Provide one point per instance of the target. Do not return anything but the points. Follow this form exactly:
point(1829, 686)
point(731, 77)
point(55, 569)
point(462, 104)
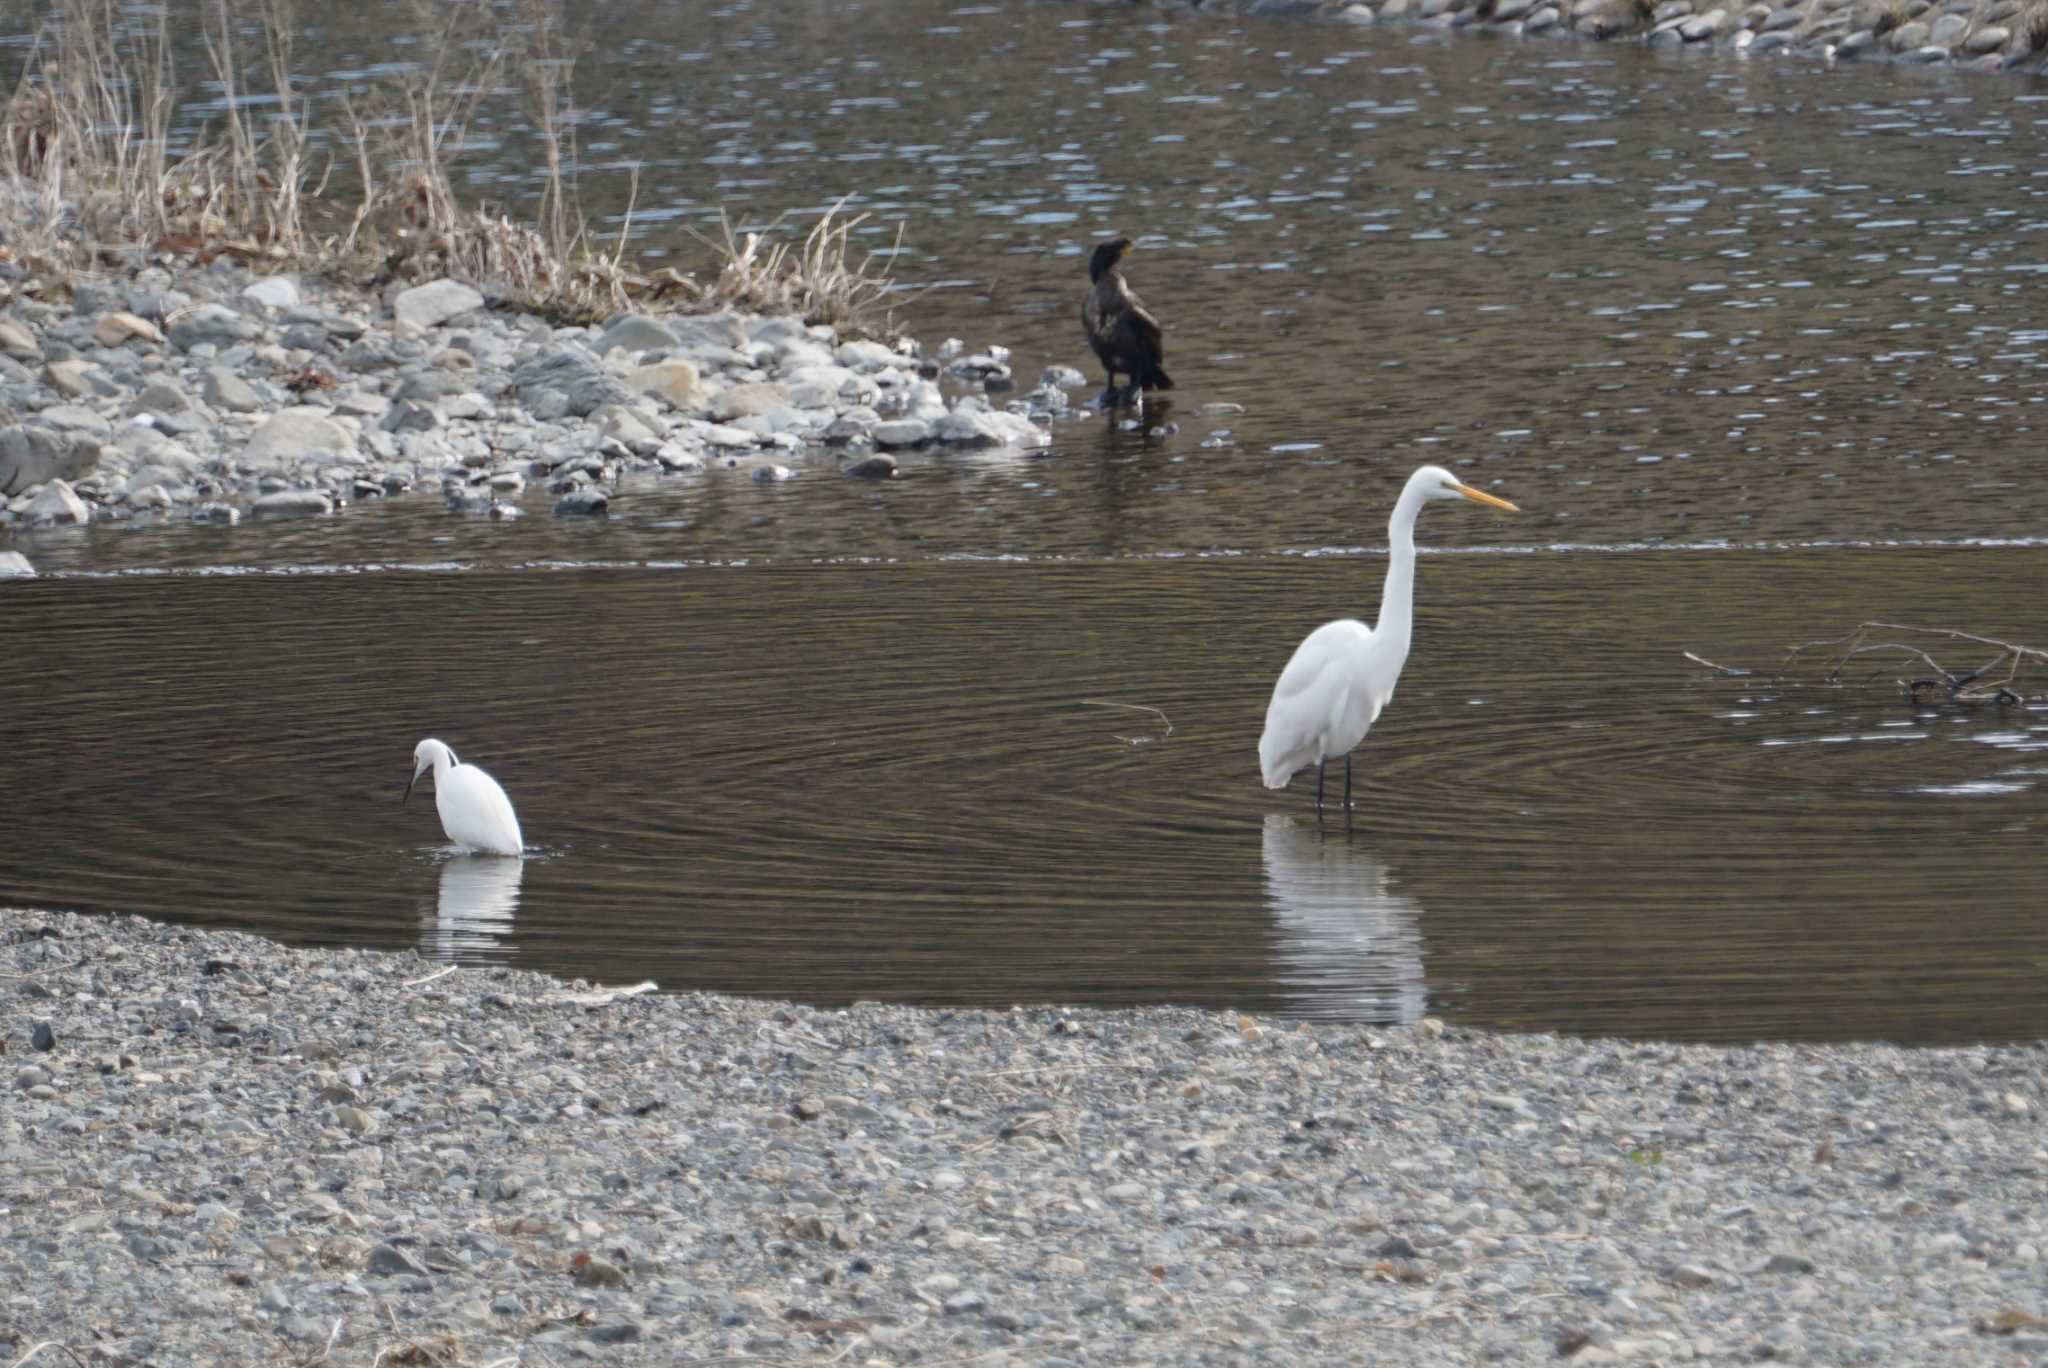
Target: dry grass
point(817, 281)
point(90, 177)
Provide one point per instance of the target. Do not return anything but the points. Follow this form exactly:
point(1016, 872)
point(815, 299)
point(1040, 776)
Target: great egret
point(1123, 332)
point(1344, 672)
point(475, 812)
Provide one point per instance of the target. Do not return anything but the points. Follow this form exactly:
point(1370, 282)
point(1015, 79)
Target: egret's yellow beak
point(1481, 496)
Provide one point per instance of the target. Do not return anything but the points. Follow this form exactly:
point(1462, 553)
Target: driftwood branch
point(2001, 679)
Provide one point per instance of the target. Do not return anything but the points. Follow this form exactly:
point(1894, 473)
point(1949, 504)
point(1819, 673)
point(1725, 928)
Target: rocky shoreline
point(214, 395)
point(1991, 35)
point(216, 1149)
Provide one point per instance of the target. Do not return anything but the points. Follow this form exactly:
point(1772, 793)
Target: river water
point(1755, 344)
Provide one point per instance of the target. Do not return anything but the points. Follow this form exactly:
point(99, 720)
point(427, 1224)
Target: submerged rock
point(585, 502)
point(875, 467)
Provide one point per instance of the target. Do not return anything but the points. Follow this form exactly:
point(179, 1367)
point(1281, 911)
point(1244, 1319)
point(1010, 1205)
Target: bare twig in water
point(1999, 680)
point(48, 1344)
point(1723, 669)
point(1133, 707)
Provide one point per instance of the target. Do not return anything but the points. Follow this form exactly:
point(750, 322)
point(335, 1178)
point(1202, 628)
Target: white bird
point(1344, 672)
point(475, 812)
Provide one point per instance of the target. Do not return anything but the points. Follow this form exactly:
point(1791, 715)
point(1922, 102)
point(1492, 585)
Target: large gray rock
point(636, 333)
point(709, 332)
point(293, 436)
point(72, 418)
point(273, 292)
point(14, 565)
point(292, 503)
point(432, 304)
point(57, 506)
point(36, 455)
point(226, 390)
point(574, 374)
point(210, 324)
point(160, 398)
point(902, 432)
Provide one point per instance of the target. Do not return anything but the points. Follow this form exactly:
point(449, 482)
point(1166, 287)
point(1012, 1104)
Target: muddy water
point(1756, 345)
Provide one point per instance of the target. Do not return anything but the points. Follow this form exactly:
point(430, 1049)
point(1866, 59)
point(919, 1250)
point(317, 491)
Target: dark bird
point(1125, 336)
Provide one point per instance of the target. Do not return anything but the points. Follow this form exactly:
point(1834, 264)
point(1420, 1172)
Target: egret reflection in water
point(1348, 946)
point(479, 898)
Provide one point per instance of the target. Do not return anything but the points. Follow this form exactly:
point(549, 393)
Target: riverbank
point(1990, 35)
point(217, 1149)
point(214, 394)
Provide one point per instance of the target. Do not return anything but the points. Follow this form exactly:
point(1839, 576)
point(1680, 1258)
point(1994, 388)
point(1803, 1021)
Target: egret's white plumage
point(475, 812)
point(1344, 672)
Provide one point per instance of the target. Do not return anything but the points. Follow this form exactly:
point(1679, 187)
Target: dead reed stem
point(1999, 680)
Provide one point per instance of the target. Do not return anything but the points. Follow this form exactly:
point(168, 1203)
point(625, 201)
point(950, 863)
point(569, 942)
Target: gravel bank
point(208, 394)
point(1988, 35)
point(233, 1152)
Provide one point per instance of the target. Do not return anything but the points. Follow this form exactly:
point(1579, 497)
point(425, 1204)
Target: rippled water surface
point(1757, 345)
point(855, 782)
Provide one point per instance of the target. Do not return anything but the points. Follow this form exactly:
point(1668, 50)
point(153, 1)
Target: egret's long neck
point(1397, 599)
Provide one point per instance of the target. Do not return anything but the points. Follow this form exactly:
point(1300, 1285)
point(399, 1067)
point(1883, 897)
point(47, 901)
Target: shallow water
point(1755, 344)
point(853, 782)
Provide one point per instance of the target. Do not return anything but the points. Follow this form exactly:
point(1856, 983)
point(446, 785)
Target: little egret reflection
point(478, 901)
point(1344, 672)
point(475, 812)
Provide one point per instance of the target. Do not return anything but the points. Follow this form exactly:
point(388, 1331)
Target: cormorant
point(1125, 336)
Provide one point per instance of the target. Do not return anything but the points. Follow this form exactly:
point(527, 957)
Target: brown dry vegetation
point(92, 177)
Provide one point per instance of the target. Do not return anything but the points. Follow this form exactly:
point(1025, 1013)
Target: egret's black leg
point(1347, 782)
point(1106, 401)
point(1319, 788)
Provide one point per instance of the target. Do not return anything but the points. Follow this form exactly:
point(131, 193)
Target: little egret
point(475, 812)
point(1344, 672)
